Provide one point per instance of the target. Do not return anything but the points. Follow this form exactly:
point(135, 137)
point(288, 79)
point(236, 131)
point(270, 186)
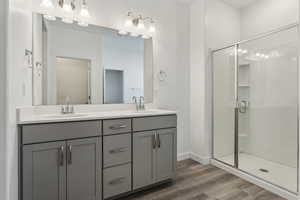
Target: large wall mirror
point(88, 65)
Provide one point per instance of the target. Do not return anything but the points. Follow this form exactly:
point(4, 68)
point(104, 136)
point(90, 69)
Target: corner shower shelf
point(244, 85)
point(244, 65)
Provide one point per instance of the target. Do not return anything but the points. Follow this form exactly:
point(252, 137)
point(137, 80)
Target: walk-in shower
point(255, 107)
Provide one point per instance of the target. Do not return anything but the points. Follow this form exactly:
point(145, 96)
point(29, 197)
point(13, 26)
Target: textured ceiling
point(239, 3)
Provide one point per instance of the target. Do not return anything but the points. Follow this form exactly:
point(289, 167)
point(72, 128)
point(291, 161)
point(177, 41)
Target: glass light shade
point(47, 4)
point(67, 7)
point(141, 25)
point(152, 28)
point(128, 22)
point(68, 13)
point(84, 12)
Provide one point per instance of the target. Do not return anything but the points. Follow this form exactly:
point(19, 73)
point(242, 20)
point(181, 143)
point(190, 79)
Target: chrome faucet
point(142, 103)
point(67, 108)
point(139, 104)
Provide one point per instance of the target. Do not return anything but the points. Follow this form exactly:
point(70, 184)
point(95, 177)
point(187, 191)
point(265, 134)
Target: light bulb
point(152, 28)
point(68, 13)
point(141, 25)
point(67, 7)
point(128, 23)
point(47, 4)
point(84, 12)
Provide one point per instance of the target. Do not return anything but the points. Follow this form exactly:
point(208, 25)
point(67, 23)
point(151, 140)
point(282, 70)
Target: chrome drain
point(264, 170)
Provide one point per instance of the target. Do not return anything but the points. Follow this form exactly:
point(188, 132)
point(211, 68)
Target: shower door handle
point(242, 106)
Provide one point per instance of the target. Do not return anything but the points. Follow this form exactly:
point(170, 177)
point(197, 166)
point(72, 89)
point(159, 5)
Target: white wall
point(3, 27)
point(200, 135)
point(265, 15)
point(222, 24)
point(19, 84)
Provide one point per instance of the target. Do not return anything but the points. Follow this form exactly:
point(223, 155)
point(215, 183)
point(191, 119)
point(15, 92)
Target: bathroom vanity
point(96, 156)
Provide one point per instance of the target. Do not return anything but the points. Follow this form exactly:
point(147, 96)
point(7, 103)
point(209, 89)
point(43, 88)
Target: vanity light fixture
point(68, 10)
point(137, 25)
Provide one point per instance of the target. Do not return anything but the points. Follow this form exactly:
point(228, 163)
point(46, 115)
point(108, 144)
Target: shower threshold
point(275, 173)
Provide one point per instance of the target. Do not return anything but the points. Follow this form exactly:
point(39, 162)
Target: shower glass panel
point(268, 108)
point(224, 104)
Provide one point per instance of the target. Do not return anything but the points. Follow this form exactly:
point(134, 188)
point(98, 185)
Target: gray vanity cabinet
point(143, 159)
point(66, 169)
point(44, 170)
point(153, 157)
point(165, 154)
point(83, 169)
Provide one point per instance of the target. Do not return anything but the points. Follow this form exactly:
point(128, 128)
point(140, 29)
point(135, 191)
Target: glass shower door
point(268, 108)
point(224, 76)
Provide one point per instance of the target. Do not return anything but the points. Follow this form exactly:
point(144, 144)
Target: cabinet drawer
point(116, 180)
point(60, 131)
point(116, 126)
point(116, 149)
point(151, 123)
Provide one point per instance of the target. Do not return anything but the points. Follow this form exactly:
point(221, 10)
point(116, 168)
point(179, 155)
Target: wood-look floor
point(205, 182)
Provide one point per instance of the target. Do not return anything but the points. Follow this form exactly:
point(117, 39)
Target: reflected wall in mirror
point(89, 65)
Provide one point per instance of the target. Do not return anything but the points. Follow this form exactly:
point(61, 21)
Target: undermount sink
point(66, 116)
point(145, 111)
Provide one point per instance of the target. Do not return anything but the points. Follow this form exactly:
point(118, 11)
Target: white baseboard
point(200, 159)
point(193, 156)
point(183, 156)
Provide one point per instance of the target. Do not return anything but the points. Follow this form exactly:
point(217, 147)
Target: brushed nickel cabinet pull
point(61, 156)
point(118, 150)
point(118, 126)
point(70, 154)
point(117, 181)
point(154, 141)
point(158, 141)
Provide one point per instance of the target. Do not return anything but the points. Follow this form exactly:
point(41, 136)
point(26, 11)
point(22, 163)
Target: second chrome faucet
point(139, 103)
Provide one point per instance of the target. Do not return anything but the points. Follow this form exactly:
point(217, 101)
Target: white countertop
point(50, 118)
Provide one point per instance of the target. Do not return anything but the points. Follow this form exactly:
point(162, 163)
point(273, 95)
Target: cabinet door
point(165, 154)
point(44, 171)
point(143, 158)
point(84, 169)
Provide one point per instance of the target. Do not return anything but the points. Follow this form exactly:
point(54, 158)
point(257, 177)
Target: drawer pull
point(118, 150)
point(117, 181)
point(118, 126)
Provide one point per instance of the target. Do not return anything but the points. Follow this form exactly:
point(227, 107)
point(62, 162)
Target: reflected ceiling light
point(146, 37)
point(122, 32)
point(134, 34)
